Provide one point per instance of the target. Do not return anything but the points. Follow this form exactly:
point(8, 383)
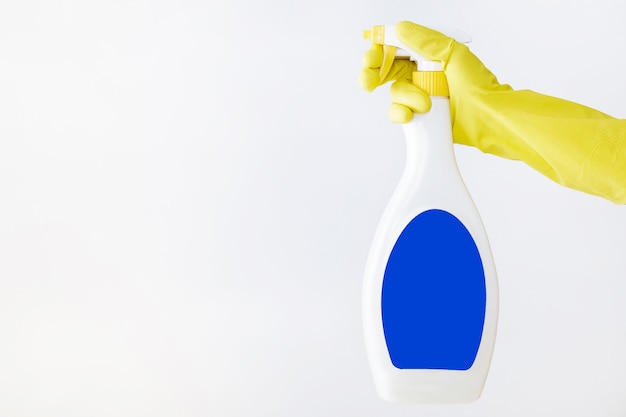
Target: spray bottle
point(430, 293)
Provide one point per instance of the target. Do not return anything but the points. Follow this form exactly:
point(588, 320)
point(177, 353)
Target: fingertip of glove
point(373, 58)
point(409, 28)
point(407, 25)
point(399, 113)
point(428, 42)
point(369, 79)
point(407, 94)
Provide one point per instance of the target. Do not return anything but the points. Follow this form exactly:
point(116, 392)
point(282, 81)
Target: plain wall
point(188, 191)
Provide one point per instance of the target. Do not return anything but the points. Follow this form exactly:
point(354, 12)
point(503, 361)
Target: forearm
point(574, 145)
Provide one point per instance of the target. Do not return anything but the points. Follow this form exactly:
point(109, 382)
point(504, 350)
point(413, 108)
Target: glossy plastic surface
point(430, 181)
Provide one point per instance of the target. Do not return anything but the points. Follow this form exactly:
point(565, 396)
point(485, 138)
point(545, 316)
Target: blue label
point(434, 295)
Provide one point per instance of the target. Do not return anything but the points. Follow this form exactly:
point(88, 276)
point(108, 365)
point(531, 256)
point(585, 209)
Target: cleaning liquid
point(430, 293)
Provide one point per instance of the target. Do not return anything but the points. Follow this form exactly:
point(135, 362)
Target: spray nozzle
point(377, 35)
point(429, 75)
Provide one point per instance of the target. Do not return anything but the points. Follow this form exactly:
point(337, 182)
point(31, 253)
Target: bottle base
point(440, 387)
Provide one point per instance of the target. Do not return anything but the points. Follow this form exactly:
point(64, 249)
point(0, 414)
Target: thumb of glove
point(461, 66)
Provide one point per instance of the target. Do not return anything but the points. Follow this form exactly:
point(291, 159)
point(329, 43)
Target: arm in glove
point(574, 145)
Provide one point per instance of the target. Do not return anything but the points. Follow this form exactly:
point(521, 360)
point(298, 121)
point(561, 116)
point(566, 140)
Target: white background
point(188, 191)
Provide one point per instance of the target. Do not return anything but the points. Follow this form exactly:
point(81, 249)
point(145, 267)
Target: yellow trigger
point(377, 35)
point(389, 54)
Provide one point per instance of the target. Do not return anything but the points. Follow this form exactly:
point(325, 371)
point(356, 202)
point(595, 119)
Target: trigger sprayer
point(430, 292)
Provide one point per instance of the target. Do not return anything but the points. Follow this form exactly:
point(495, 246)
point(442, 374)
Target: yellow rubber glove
point(572, 144)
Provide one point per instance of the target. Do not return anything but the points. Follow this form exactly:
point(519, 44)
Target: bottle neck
point(429, 150)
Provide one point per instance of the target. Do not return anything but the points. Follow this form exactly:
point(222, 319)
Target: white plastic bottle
point(430, 293)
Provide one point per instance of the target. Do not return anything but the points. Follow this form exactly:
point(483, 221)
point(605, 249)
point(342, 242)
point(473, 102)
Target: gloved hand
point(574, 145)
